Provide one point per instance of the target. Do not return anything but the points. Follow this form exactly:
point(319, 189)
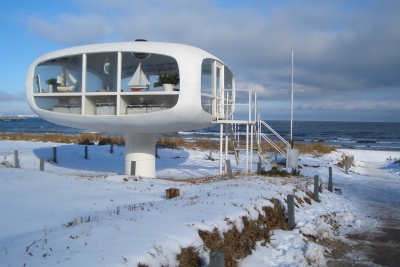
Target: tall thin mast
point(291, 112)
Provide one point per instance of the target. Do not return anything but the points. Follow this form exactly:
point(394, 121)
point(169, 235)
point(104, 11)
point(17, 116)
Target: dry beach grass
point(166, 141)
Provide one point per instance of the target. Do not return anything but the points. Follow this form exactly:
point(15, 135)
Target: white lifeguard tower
point(109, 88)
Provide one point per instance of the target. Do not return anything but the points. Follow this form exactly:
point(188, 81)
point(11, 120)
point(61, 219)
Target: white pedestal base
point(141, 148)
point(292, 158)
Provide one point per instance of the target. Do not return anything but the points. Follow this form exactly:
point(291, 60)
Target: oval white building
point(110, 88)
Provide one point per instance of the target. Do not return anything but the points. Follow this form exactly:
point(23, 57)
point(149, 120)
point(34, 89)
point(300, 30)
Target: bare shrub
point(83, 138)
point(190, 257)
point(307, 200)
point(314, 148)
point(237, 245)
point(105, 141)
point(299, 200)
point(168, 141)
point(206, 144)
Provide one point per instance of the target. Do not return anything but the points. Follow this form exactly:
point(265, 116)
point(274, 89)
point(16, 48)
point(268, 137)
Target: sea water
point(360, 135)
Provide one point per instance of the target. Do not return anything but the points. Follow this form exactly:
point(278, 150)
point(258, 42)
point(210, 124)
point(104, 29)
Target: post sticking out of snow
point(41, 164)
point(228, 168)
point(55, 154)
point(86, 152)
point(210, 155)
point(133, 167)
point(217, 259)
point(330, 183)
point(15, 158)
point(291, 215)
point(316, 188)
point(112, 148)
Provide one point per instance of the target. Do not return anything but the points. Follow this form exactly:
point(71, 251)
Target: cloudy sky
point(346, 53)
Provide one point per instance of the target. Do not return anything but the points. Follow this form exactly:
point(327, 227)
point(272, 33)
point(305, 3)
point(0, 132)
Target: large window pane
point(59, 75)
point(147, 73)
point(101, 72)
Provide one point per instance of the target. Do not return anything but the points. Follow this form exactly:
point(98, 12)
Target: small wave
point(344, 139)
point(366, 141)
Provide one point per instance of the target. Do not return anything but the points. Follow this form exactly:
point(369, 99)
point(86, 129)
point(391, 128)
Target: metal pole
point(15, 158)
point(226, 141)
point(228, 169)
point(86, 152)
point(42, 164)
point(330, 183)
point(133, 167)
point(291, 215)
point(247, 148)
point(249, 105)
point(55, 154)
point(112, 148)
point(316, 187)
point(221, 136)
point(291, 111)
point(217, 259)
point(255, 107)
point(251, 149)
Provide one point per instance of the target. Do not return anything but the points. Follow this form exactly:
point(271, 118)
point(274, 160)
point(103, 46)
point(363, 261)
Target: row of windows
point(100, 72)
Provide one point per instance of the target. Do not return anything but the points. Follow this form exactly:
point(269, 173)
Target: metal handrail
point(274, 145)
point(274, 132)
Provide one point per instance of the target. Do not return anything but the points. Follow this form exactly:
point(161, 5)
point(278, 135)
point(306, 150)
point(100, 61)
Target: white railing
point(224, 105)
point(276, 134)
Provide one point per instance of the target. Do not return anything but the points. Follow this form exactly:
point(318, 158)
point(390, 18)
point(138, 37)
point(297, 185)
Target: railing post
point(255, 106)
point(249, 105)
point(247, 148)
point(221, 136)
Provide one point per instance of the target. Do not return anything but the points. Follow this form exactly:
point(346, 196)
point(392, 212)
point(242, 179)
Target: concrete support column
point(141, 149)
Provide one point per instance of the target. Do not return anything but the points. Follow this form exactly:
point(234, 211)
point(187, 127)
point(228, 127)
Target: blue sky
point(346, 52)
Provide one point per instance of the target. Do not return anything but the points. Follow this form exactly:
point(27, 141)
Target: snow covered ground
point(117, 220)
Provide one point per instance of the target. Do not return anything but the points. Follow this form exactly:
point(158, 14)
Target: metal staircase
point(247, 108)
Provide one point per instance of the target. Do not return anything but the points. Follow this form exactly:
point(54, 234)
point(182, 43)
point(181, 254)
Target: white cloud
point(71, 29)
point(346, 52)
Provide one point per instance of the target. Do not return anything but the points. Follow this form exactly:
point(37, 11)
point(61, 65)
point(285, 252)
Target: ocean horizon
point(360, 135)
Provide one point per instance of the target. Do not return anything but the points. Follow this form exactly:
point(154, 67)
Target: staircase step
point(243, 148)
